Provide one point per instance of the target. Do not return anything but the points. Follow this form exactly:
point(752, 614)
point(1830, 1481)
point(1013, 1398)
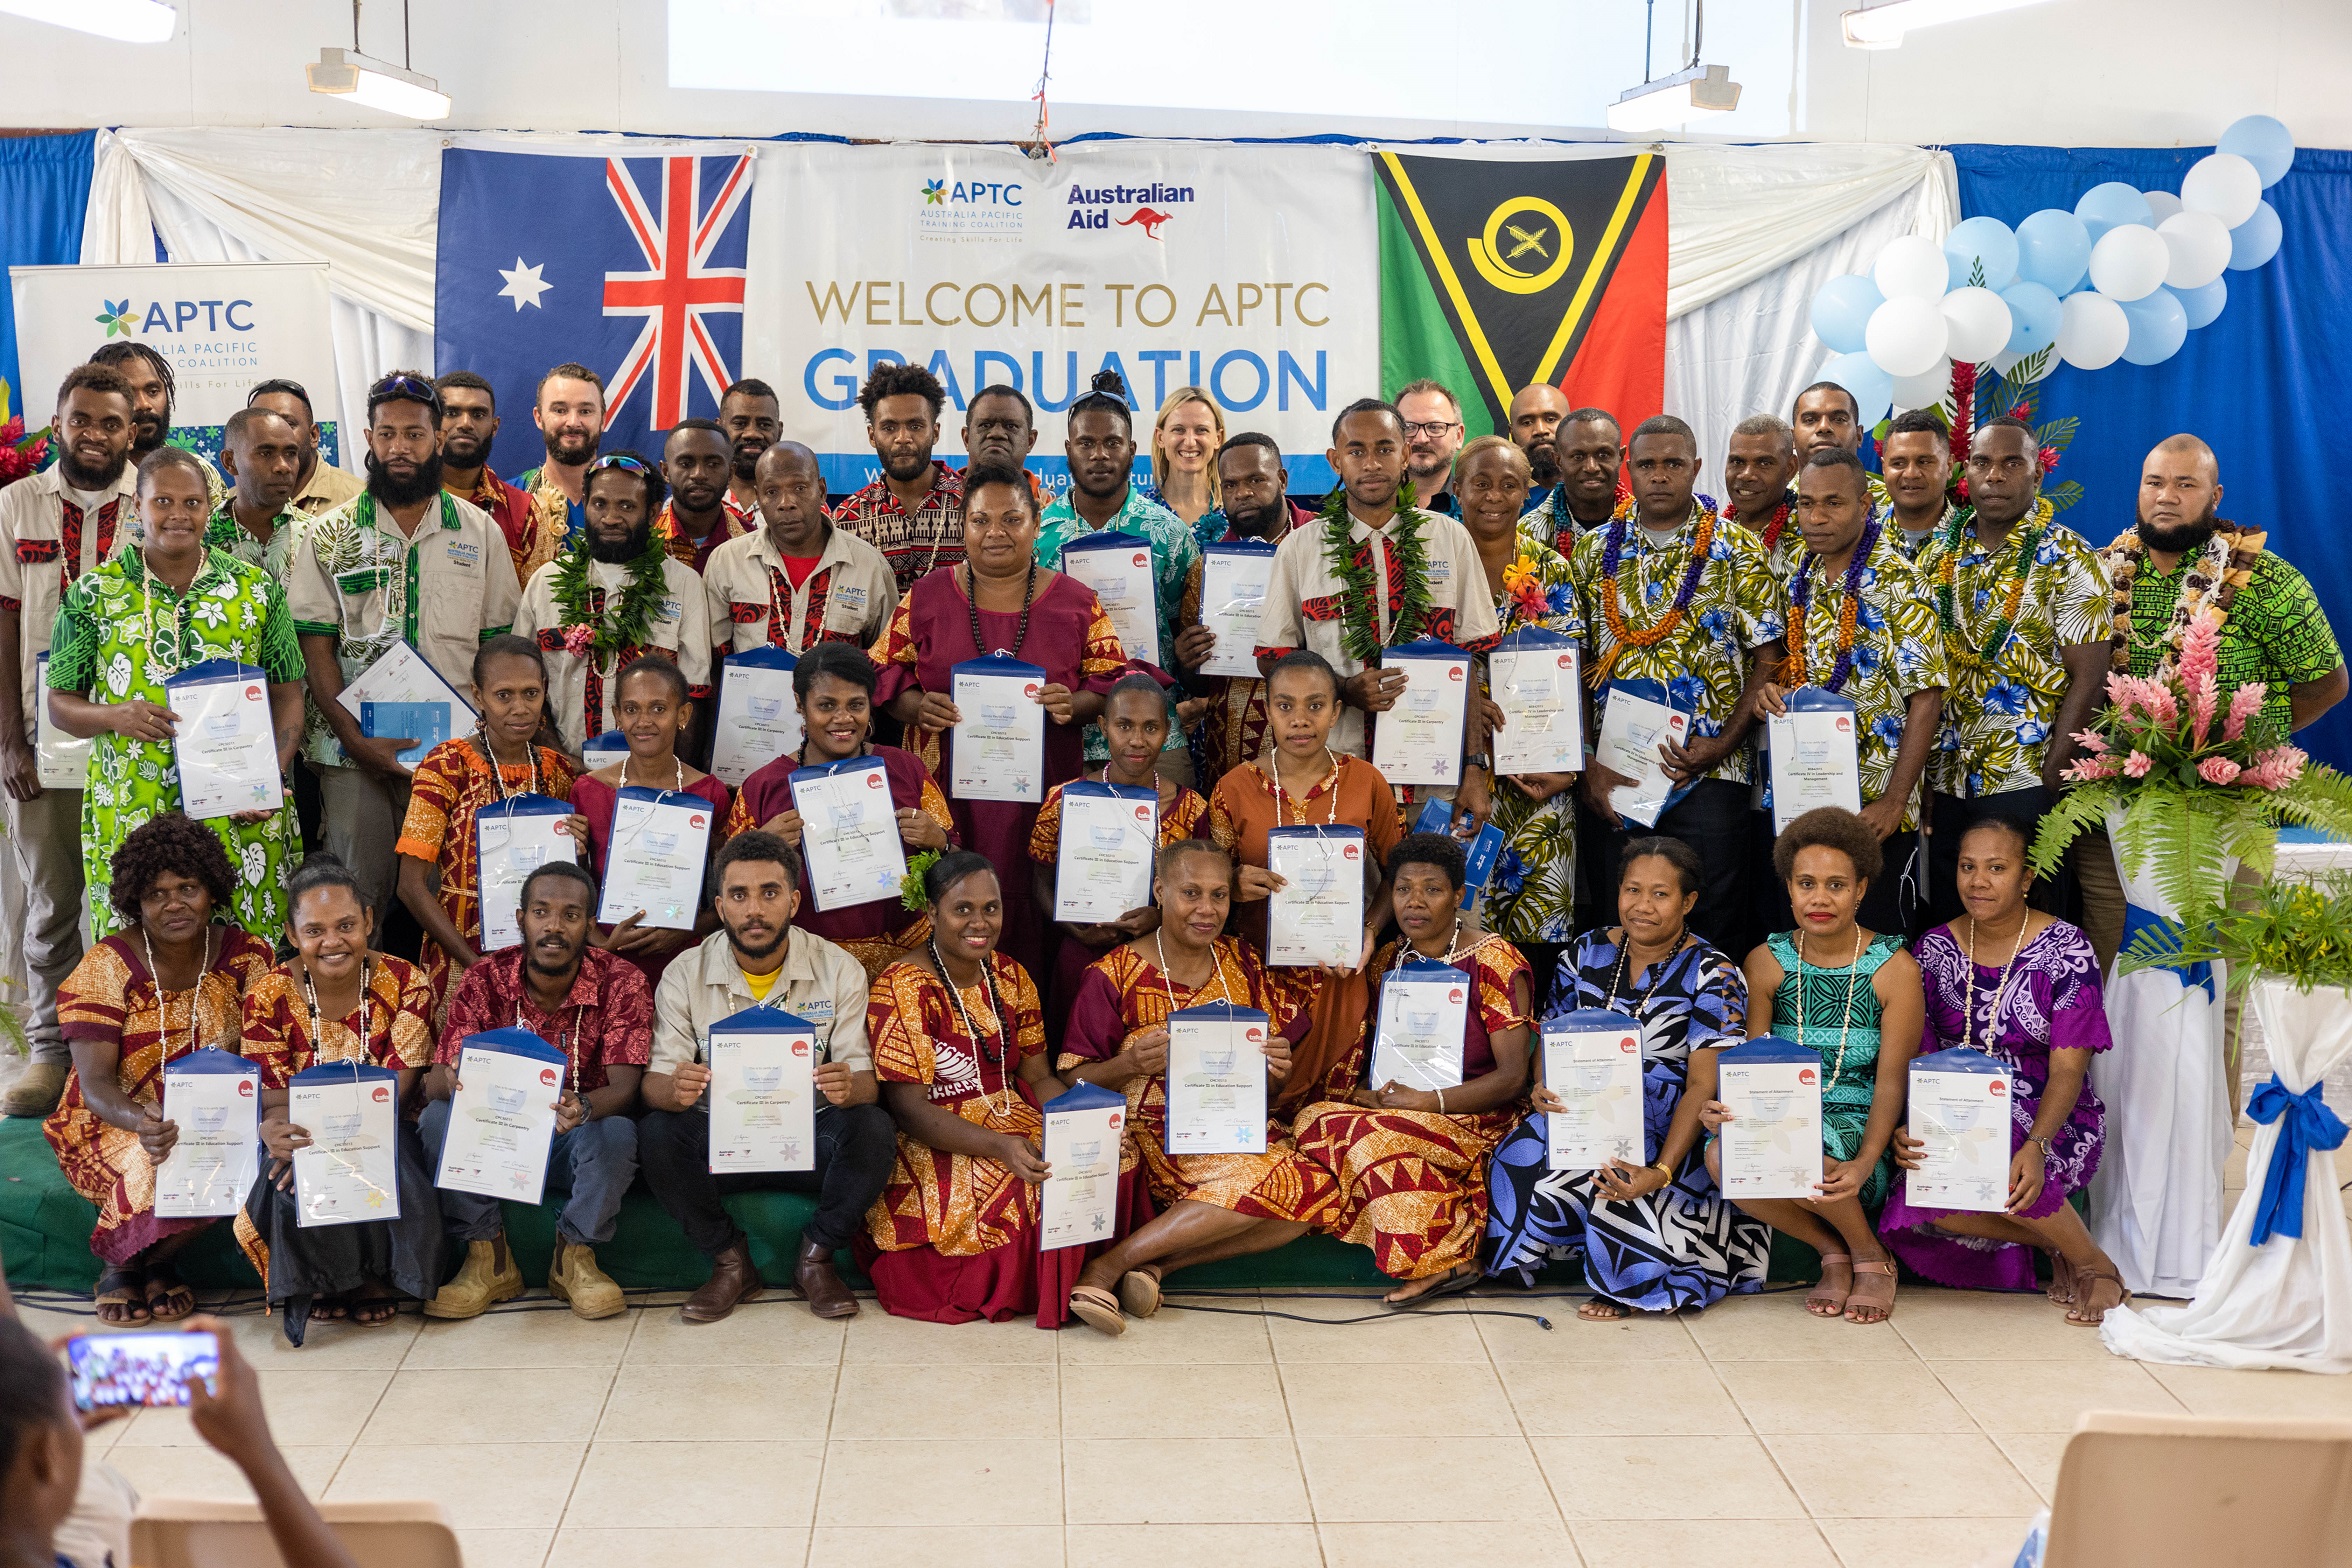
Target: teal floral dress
point(1532, 894)
point(119, 635)
point(1847, 1042)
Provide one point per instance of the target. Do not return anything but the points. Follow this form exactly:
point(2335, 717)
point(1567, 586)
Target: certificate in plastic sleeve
point(502, 1120)
point(214, 1099)
point(1317, 916)
point(660, 843)
point(1424, 1013)
point(1419, 739)
point(350, 1173)
point(1814, 756)
point(1217, 1080)
point(1118, 567)
point(1960, 1112)
point(400, 674)
point(1772, 1146)
point(762, 1094)
point(425, 723)
point(1104, 865)
point(759, 720)
point(1233, 603)
point(1081, 1147)
point(64, 759)
point(1534, 677)
point(1634, 723)
point(513, 838)
point(602, 751)
point(226, 746)
point(1592, 1060)
point(1479, 852)
point(999, 748)
point(849, 832)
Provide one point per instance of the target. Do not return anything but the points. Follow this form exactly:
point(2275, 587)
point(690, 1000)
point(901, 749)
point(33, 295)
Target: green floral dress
point(1532, 894)
point(102, 650)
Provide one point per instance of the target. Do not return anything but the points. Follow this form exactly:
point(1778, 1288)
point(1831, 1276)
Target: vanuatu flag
point(1495, 275)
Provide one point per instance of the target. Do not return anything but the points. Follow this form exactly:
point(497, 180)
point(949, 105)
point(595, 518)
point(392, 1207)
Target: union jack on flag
point(634, 267)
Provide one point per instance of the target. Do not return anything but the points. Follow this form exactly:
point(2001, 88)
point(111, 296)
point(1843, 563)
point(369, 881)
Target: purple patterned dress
point(2053, 1003)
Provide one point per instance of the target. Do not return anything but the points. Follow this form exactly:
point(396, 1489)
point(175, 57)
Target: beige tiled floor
point(1748, 1433)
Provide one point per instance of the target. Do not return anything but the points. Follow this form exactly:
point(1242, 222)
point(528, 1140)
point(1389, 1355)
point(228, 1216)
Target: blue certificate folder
point(1482, 851)
point(427, 721)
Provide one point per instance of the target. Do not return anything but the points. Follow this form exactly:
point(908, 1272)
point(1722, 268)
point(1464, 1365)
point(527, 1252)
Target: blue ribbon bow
point(2305, 1124)
point(2168, 939)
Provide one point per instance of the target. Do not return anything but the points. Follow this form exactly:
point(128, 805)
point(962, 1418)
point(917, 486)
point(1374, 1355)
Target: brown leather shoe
point(814, 1280)
point(733, 1281)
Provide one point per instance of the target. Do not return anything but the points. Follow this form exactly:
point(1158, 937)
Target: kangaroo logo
point(1150, 217)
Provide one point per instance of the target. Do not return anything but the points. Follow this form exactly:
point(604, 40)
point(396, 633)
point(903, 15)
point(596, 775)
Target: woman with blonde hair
point(1185, 439)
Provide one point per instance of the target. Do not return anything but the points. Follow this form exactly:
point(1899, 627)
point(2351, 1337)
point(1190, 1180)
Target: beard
point(540, 965)
point(573, 450)
point(393, 490)
point(745, 466)
point(744, 947)
point(620, 553)
point(1543, 462)
point(147, 432)
point(455, 455)
point(81, 478)
point(1256, 525)
point(908, 467)
point(2182, 537)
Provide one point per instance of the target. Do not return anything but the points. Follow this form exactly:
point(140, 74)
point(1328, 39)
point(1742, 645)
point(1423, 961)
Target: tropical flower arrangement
point(20, 454)
point(2299, 932)
point(1524, 587)
point(2199, 785)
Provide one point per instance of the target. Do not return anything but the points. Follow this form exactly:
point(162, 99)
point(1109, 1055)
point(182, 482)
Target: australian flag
point(633, 267)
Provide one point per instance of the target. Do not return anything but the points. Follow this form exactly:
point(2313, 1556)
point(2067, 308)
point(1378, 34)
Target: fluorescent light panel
point(1883, 26)
point(1679, 99)
point(378, 84)
point(129, 21)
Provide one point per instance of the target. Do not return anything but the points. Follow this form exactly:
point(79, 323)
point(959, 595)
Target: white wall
point(2070, 72)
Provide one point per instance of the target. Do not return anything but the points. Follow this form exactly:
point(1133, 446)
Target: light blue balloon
point(2034, 314)
point(2204, 305)
point(1841, 311)
point(1872, 387)
point(1982, 242)
point(2159, 326)
point(2111, 206)
point(2262, 142)
point(2054, 250)
point(2256, 240)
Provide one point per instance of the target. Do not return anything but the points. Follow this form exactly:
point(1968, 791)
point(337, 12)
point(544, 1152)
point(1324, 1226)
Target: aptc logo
point(116, 318)
point(934, 192)
point(959, 209)
point(123, 318)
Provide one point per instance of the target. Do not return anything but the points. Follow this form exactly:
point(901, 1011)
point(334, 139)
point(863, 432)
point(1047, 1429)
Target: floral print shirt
point(1531, 896)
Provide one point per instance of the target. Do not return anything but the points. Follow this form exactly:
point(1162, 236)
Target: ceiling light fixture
point(1883, 26)
point(379, 84)
point(1693, 93)
point(128, 21)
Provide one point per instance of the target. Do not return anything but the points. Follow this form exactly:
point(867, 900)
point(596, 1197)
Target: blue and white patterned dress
point(1682, 1246)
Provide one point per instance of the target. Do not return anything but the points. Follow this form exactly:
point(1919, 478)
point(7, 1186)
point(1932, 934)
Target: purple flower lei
point(1801, 591)
point(1613, 555)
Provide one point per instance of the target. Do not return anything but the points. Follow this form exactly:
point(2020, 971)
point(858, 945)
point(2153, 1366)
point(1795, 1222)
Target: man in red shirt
point(469, 425)
point(914, 513)
point(696, 460)
point(752, 419)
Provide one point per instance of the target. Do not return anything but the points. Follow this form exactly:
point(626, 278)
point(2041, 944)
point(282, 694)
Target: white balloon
point(2129, 262)
point(1980, 325)
point(1913, 267)
point(2223, 184)
point(1927, 389)
point(2092, 330)
point(2200, 247)
point(1907, 336)
point(2162, 205)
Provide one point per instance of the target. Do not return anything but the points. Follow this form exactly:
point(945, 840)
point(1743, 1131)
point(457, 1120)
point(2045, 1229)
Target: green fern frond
point(2059, 433)
point(2063, 496)
point(2080, 809)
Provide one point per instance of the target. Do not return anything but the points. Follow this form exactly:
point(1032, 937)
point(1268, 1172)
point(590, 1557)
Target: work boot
point(814, 1280)
point(574, 1277)
point(480, 1285)
point(733, 1281)
point(35, 1091)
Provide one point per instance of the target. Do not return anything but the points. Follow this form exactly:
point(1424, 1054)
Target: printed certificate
point(1960, 1109)
point(1109, 837)
point(1814, 757)
point(660, 845)
point(503, 1118)
point(999, 748)
point(1592, 1061)
point(513, 838)
point(1632, 729)
point(226, 747)
point(759, 720)
point(762, 1094)
point(1233, 602)
point(350, 1172)
point(1419, 740)
point(64, 759)
point(1081, 1146)
point(849, 833)
point(1118, 567)
point(1217, 1080)
point(1772, 1146)
point(1317, 916)
point(214, 1099)
point(1534, 679)
point(1424, 1012)
point(401, 675)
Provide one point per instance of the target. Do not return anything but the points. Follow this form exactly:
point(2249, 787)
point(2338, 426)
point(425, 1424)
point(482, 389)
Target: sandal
point(124, 1291)
point(1602, 1310)
point(1139, 1291)
point(329, 1309)
point(2061, 1281)
point(1097, 1309)
point(1826, 1300)
point(168, 1298)
point(1461, 1279)
point(2087, 1281)
point(374, 1311)
point(1868, 1304)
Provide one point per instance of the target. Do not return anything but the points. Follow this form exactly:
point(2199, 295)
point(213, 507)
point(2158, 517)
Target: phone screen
point(139, 1369)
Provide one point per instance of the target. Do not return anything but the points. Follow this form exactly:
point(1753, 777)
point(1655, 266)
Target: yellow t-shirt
point(761, 985)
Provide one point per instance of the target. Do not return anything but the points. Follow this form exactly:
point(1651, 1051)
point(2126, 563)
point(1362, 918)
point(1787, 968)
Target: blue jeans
point(593, 1163)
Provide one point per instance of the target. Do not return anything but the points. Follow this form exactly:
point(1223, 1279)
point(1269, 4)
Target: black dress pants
point(855, 1147)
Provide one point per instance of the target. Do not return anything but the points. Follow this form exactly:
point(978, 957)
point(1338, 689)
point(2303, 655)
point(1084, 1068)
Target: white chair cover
point(2288, 1302)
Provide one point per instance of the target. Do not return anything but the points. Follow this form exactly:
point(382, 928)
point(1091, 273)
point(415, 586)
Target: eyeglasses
point(406, 389)
point(1433, 427)
point(620, 460)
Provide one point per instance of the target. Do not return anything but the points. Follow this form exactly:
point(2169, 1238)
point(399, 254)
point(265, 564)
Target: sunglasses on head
point(617, 460)
point(407, 389)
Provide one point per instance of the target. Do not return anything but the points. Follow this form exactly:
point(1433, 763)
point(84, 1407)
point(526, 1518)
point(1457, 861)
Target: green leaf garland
point(625, 623)
point(1359, 614)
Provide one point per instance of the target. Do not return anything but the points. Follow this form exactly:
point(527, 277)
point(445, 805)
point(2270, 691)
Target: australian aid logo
point(1143, 208)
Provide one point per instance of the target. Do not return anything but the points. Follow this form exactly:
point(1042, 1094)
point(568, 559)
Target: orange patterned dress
point(1413, 1183)
point(1124, 992)
point(453, 783)
point(1180, 818)
point(111, 998)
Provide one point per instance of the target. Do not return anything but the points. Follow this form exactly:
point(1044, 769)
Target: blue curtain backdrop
point(44, 189)
point(2257, 384)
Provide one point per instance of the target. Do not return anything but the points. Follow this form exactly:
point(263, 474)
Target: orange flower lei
point(1792, 670)
point(1623, 636)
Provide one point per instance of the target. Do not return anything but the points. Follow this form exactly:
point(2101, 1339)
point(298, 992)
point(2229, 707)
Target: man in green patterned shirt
point(261, 452)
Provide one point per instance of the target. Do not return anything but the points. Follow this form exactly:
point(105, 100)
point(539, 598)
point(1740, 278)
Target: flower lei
point(1793, 673)
point(2208, 591)
point(1623, 636)
point(1769, 536)
point(594, 629)
point(1359, 615)
point(2031, 531)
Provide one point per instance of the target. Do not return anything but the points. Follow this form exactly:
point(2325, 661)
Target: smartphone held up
point(153, 1368)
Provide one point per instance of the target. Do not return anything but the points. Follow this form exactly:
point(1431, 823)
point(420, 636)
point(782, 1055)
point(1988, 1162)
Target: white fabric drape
point(2287, 1303)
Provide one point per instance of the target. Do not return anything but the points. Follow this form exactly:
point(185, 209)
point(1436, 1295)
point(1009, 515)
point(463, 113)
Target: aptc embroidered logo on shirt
point(671, 610)
point(851, 598)
point(465, 553)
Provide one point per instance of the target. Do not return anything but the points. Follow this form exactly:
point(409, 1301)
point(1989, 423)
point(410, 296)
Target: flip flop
point(125, 1290)
point(1859, 1303)
point(1452, 1285)
point(1139, 1291)
point(1097, 1309)
point(2085, 1280)
point(165, 1295)
point(373, 1311)
point(1822, 1296)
